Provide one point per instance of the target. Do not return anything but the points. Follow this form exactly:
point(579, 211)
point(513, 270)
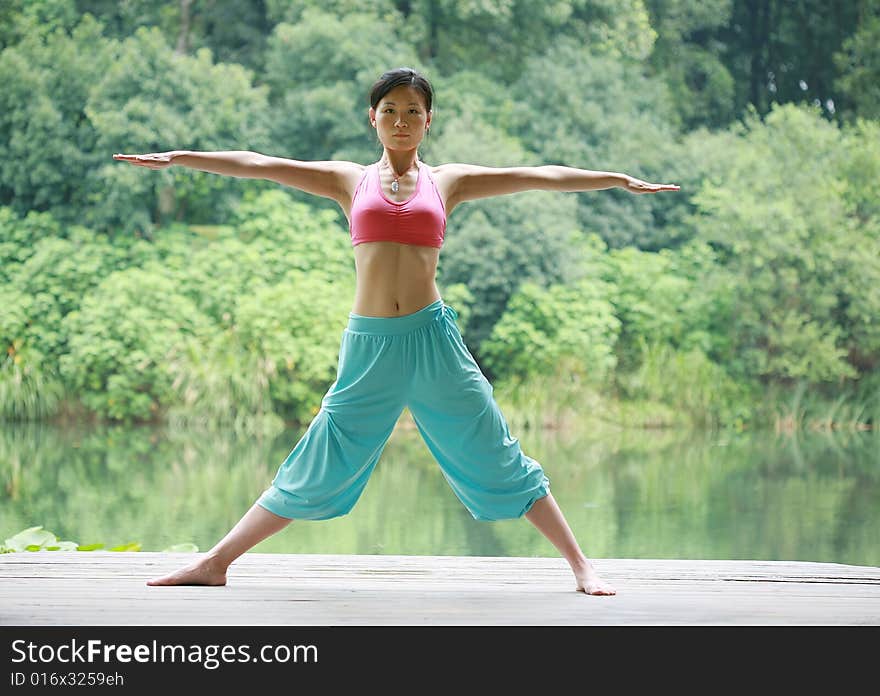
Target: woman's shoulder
point(453, 170)
point(346, 167)
point(440, 168)
point(350, 174)
point(446, 174)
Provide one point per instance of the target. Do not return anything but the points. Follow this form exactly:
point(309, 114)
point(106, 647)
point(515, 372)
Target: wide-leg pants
point(418, 361)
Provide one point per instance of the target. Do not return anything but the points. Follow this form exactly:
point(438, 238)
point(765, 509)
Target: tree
point(598, 112)
point(320, 71)
point(498, 36)
point(22, 18)
point(153, 99)
point(690, 57)
point(120, 340)
point(494, 245)
point(782, 51)
point(272, 283)
point(48, 145)
point(858, 63)
point(234, 31)
point(70, 100)
point(802, 264)
point(661, 298)
point(543, 330)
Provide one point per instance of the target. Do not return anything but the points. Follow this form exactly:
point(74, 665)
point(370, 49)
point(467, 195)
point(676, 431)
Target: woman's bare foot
point(589, 582)
point(205, 571)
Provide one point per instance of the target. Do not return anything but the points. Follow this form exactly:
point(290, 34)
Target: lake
point(630, 494)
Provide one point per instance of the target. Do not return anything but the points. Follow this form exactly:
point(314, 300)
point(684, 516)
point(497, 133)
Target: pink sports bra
point(420, 219)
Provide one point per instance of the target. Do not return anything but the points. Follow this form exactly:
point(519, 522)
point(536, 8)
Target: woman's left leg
point(453, 405)
point(549, 520)
point(210, 569)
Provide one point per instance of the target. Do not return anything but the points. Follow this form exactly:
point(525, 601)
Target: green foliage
point(39, 539)
point(153, 99)
point(500, 243)
point(120, 339)
point(472, 123)
point(660, 298)
point(713, 58)
point(866, 398)
point(563, 327)
point(72, 99)
point(500, 36)
point(22, 18)
point(48, 148)
point(690, 384)
point(281, 286)
point(47, 274)
point(591, 111)
point(234, 30)
point(803, 268)
point(230, 331)
point(460, 298)
point(858, 63)
point(220, 384)
point(493, 245)
point(288, 234)
point(691, 61)
point(53, 281)
point(120, 290)
point(860, 168)
point(320, 70)
point(268, 235)
point(295, 326)
point(781, 52)
point(20, 235)
point(26, 391)
point(49, 281)
point(36, 539)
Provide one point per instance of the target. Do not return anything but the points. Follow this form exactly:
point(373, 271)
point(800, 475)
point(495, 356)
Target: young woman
point(402, 347)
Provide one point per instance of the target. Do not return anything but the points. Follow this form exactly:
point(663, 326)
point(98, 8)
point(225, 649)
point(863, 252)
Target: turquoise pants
point(418, 361)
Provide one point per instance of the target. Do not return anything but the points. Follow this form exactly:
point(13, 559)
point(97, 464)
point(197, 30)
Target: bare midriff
point(394, 279)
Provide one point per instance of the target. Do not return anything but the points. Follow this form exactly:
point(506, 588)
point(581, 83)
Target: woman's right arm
point(328, 179)
point(239, 163)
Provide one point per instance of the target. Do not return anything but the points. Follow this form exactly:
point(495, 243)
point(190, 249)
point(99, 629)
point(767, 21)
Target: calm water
point(811, 497)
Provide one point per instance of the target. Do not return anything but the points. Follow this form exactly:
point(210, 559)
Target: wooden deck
point(107, 589)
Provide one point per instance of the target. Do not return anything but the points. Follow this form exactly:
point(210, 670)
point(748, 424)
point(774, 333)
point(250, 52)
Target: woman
point(402, 347)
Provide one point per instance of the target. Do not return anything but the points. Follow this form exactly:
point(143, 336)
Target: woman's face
point(400, 118)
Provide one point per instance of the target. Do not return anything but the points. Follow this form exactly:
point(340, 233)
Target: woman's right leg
point(256, 525)
point(328, 468)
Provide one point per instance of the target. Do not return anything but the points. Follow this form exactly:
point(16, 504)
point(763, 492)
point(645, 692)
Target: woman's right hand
point(154, 160)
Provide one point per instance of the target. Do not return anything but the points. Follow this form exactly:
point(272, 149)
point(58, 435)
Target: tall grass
point(222, 386)
point(683, 390)
point(563, 401)
point(801, 408)
point(689, 383)
point(26, 393)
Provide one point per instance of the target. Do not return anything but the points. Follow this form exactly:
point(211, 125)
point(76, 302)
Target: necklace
point(395, 185)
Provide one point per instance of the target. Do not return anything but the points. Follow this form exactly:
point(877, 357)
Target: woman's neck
point(400, 162)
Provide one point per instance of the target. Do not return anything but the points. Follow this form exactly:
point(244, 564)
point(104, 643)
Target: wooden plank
point(80, 588)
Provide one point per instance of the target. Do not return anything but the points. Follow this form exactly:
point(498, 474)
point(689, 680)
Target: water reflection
point(811, 497)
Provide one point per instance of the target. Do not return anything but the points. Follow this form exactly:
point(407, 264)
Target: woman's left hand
point(634, 185)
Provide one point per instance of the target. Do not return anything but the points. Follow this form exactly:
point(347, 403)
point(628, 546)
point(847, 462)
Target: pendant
point(395, 186)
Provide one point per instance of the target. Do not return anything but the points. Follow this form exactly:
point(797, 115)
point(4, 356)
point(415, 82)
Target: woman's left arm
point(471, 181)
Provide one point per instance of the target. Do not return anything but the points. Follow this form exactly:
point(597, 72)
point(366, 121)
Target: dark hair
point(401, 76)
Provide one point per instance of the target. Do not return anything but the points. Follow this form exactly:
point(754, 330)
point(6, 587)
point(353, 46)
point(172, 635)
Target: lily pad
point(181, 548)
